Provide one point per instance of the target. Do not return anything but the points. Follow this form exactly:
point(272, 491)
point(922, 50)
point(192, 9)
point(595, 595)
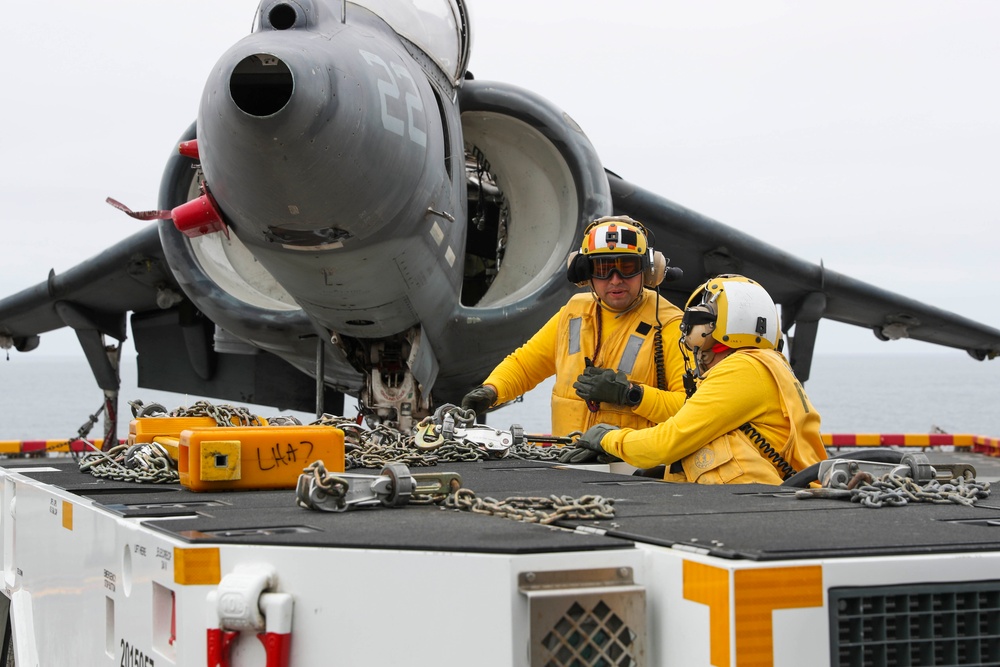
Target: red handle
point(219, 641)
point(277, 646)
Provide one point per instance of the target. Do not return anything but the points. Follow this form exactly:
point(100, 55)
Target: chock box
point(255, 457)
point(165, 431)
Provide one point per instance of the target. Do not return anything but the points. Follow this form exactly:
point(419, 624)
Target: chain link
point(81, 435)
point(533, 509)
point(142, 462)
point(894, 491)
point(224, 415)
point(528, 509)
point(149, 462)
point(374, 448)
point(364, 447)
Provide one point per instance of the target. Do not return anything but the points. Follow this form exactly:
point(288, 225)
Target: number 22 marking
point(389, 88)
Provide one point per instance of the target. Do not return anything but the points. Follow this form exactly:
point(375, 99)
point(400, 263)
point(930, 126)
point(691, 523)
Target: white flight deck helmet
point(731, 310)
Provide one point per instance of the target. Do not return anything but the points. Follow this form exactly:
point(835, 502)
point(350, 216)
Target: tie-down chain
point(913, 479)
point(452, 424)
point(448, 436)
point(395, 486)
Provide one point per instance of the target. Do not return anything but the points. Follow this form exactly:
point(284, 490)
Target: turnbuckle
point(393, 487)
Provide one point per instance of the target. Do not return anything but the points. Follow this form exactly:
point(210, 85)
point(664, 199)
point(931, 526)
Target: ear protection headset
point(618, 235)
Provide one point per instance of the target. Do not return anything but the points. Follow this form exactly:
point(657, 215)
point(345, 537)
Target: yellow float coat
point(749, 385)
point(559, 349)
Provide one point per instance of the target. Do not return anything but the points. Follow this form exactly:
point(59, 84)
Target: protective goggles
point(627, 266)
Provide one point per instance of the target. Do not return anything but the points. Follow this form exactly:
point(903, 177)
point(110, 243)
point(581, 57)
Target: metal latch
point(244, 601)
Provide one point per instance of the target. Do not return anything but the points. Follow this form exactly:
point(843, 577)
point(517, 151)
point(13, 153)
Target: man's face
point(617, 293)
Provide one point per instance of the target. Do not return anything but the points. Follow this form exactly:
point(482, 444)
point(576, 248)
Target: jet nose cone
point(307, 142)
point(261, 85)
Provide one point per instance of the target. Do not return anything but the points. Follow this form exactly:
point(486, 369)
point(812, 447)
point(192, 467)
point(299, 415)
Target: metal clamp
point(495, 443)
point(393, 487)
point(241, 602)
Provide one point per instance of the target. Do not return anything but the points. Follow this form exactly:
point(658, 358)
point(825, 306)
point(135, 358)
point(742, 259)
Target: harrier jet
point(352, 213)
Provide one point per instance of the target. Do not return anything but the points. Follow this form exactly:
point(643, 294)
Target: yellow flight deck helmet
point(616, 243)
point(745, 314)
point(614, 234)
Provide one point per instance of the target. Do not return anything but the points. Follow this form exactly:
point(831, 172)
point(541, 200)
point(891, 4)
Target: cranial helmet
point(615, 242)
point(616, 235)
point(744, 313)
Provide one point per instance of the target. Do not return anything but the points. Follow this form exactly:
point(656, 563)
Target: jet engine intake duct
point(532, 158)
point(530, 162)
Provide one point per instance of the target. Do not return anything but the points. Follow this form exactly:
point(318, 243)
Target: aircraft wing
point(93, 298)
point(807, 292)
point(96, 294)
point(133, 276)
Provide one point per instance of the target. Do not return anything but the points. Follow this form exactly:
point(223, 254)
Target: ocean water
point(50, 397)
point(867, 393)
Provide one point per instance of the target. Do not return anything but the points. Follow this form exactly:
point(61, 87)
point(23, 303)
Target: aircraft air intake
point(282, 17)
point(261, 85)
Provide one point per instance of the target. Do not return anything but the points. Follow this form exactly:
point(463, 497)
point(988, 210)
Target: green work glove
point(588, 447)
point(479, 399)
point(603, 385)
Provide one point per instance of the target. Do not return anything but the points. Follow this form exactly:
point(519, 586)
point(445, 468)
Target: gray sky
point(863, 133)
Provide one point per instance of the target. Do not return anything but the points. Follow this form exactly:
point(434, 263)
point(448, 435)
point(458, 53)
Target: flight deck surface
point(754, 522)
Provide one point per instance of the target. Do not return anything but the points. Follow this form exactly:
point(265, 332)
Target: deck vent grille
point(939, 624)
point(590, 637)
point(585, 618)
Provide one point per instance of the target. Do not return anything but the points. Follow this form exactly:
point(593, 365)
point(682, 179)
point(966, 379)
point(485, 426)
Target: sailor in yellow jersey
point(749, 420)
point(606, 346)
